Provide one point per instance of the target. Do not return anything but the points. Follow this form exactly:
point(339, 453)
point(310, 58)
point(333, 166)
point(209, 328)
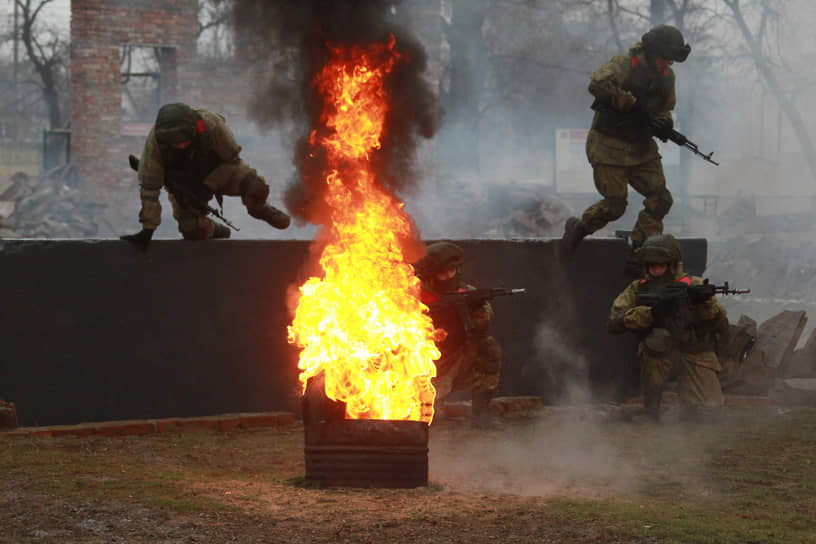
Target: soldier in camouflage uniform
point(469, 360)
point(634, 97)
point(676, 342)
point(193, 154)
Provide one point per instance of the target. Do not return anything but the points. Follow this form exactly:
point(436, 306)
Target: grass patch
point(748, 479)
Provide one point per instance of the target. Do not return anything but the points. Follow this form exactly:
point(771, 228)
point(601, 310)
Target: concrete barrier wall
point(96, 330)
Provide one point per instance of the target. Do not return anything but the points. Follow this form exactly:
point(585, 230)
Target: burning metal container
point(367, 453)
point(359, 322)
point(360, 452)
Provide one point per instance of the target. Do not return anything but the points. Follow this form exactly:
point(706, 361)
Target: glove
point(624, 101)
point(638, 318)
point(141, 239)
point(661, 126)
point(699, 294)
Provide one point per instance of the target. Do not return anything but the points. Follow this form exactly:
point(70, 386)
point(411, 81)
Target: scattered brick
point(80, 430)
point(124, 428)
point(503, 406)
point(222, 423)
point(265, 419)
point(167, 425)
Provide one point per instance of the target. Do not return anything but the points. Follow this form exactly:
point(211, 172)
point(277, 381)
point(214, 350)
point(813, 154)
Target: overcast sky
point(58, 11)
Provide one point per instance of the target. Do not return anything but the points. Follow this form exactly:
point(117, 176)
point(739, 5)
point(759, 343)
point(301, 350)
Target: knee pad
point(662, 204)
point(194, 227)
point(195, 234)
point(490, 355)
point(616, 207)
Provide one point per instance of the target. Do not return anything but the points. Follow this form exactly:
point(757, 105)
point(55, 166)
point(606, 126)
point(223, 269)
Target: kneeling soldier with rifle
point(193, 154)
point(471, 357)
point(678, 319)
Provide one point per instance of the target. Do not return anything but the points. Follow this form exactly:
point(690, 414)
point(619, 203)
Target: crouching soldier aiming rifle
point(678, 320)
point(471, 358)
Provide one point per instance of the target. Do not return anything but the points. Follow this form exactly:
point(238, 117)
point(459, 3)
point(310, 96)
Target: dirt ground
point(579, 474)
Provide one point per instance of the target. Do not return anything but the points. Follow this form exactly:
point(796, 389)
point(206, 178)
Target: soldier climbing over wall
point(634, 96)
point(193, 154)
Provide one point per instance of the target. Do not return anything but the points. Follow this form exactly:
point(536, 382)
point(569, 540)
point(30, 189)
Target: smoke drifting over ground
point(577, 452)
point(289, 43)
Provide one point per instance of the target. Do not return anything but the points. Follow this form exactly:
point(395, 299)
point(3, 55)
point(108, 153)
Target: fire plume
point(361, 324)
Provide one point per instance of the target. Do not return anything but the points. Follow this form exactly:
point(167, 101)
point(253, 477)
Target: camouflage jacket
point(151, 169)
point(626, 89)
point(710, 317)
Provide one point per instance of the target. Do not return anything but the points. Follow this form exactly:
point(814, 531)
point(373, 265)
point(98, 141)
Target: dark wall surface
point(96, 330)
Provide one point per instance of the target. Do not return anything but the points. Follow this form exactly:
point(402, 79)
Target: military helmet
point(441, 256)
point(659, 249)
point(666, 41)
point(176, 123)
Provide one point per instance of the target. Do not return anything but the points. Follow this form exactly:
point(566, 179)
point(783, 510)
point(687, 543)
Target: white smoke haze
point(574, 451)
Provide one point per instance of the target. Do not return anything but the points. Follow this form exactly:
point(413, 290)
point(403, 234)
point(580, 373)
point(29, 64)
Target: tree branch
point(611, 4)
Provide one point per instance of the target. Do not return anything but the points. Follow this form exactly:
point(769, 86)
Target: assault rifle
point(463, 302)
point(695, 294)
point(186, 197)
point(673, 301)
point(682, 141)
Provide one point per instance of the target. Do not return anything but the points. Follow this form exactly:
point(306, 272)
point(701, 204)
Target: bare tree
point(214, 39)
point(757, 42)
point(47, 53)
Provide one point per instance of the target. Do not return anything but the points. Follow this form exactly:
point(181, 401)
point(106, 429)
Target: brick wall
point(98, 30)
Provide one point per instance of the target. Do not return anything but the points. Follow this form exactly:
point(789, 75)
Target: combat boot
point(480, 409)
point(651, 405)
point(271, 215)
point(221, 231)
point(574, 232)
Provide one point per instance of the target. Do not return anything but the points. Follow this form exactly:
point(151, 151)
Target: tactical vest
point(184, 173)
point(651, 90)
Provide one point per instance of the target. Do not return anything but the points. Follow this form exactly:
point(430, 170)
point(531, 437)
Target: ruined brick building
point(130, 56)
point(100, 32)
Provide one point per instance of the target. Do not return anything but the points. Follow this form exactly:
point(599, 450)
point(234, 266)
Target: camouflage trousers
point(227, 179)
point(698, 385)
point(476, 366)
point(612, 183)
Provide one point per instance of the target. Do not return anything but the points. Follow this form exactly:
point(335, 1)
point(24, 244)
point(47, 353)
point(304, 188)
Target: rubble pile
point(770, 265)
point(8, 415)
point(50, 205)
point(525, 212)
point(763, 359)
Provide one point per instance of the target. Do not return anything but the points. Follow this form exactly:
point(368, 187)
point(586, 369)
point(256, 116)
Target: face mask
point(448, 285)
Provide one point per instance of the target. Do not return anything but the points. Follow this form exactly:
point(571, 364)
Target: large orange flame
point(362, 323)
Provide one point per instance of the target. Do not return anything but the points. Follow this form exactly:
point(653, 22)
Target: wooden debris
point(8, 415)
point(777, 337)
point(50, 206)
point(734, 348)
point(802, 363)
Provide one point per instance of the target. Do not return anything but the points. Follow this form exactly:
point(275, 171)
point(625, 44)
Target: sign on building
point(572, 173)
